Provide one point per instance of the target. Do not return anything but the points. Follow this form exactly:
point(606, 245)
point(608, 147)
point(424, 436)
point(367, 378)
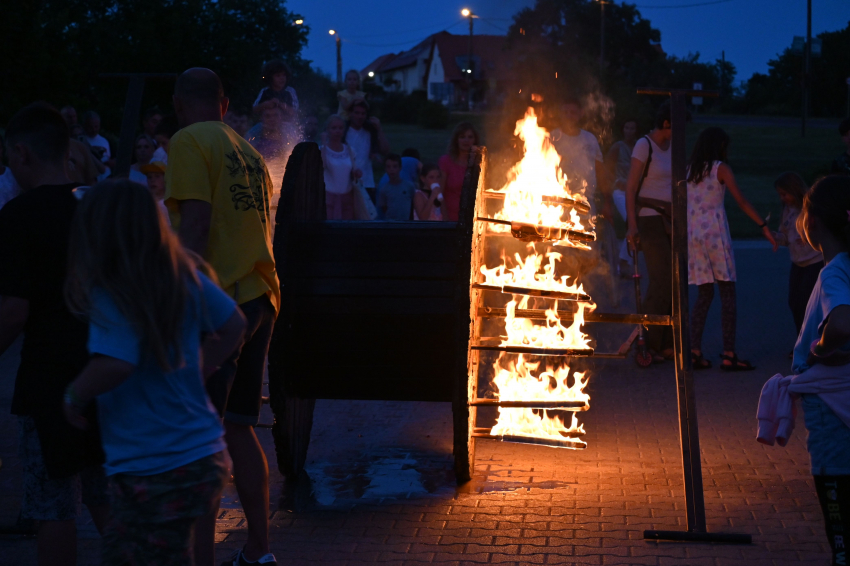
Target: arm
point(635, 173)
point(101, 374)
point(383, 144)
point(14, 313)
point(218, 346)
point(726, 177)
point(422, 205)
point(195, 219)
point(836, 333)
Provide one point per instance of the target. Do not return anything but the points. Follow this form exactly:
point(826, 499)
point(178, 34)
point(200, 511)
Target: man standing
point(219, 189)
point(581, 158)
point(98, 143)
point(61, 464)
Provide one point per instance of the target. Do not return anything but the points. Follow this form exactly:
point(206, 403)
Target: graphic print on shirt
point(253, 197)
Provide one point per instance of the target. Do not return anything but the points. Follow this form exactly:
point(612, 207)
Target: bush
point(433, 115)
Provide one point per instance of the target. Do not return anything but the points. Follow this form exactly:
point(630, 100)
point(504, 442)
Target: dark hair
point(393, 157)
point(359, 103)
point(42, 129)
point(844, 126)
point(355, 71)
point(665, 114)
point(711, 146)
point(150, 113)
point(273, 67)
point(460, 129)
point(427, 168)
point(626, 120)
point(793, 184)
point(829, 201)
point(411, 152)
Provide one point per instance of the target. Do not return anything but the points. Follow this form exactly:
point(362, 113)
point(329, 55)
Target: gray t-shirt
point(396, 198)
point(659, 178)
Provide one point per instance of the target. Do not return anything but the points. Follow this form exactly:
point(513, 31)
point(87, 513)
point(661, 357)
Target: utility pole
point(338, 59)
point(807, 55)
point(466, 12)
point(602, 35)
point(722, 74)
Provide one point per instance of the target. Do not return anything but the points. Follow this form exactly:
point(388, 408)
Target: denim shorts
point(236, 389)
point(829, 438)
point(46, 499)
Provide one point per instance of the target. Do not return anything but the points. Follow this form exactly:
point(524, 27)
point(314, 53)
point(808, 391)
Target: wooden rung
point(535, 233)
point(571, 352)
point(566, 201)
point(565, 405)
point(543, 293)
point(572, 443)
point(589, 316)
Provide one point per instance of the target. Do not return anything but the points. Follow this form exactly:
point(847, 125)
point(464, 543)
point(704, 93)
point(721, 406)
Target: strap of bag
point(645, 166)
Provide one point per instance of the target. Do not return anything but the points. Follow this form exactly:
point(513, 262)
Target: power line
point(685, 5)
point(396, 44)
point(396, 32)
point(492, 25)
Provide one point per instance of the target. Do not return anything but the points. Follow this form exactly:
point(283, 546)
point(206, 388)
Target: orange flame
point(552, 335)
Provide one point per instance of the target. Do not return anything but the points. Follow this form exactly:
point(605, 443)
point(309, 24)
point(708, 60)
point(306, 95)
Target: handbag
point(364, 208)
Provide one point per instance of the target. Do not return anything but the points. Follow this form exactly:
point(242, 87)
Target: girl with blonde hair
point(158, 328)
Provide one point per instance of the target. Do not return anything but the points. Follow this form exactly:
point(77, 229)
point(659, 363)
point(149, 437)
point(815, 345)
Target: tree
point(67, 44)
point(780, 90)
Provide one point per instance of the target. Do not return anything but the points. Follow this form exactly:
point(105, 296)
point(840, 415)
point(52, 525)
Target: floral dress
point(710, 256)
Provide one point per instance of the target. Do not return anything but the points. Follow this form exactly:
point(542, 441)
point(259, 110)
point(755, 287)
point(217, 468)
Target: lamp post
point(338, 58)
point(602, 35)
point(467, 13)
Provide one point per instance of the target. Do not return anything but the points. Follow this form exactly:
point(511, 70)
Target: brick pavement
point(383, 493)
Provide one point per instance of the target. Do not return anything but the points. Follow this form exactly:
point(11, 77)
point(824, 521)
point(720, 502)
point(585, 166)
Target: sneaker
point(238, 559)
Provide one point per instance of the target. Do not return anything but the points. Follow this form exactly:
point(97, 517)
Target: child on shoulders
point(351, 93)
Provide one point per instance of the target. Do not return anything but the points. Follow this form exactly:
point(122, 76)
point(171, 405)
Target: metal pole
point(722, 73)
point(132, 106)
point(469, 66)
point(602, 35)
point(806, 65)
point(338, 61)
point(694, 501)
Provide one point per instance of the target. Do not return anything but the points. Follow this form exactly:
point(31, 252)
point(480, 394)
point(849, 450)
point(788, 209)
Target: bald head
point(199, 97)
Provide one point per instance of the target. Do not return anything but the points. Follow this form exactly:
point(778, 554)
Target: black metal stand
point(688, 429)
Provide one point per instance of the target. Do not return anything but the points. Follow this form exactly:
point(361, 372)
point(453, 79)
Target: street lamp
point(467, 13)
point(338, 58)
point(371, 74)
point(299, 22)
point(602, 35)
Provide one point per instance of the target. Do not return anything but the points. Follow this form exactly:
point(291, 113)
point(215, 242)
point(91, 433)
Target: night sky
point(750, 31)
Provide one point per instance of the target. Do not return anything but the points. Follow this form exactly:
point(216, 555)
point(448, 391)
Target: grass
point(757, 155)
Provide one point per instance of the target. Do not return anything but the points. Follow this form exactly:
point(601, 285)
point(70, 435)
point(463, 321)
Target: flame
point(525, 422)
point(517, 382)
point(554, 335)
point(537, 175)
point(527, 273)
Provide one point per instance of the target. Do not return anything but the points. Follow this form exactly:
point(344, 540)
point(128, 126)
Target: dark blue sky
point(750, 31)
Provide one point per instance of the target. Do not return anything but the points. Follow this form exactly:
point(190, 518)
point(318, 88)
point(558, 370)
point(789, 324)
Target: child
point(427, 202)
point(157, 329)
point(339, 171)
point(155, 173)
point(351, 93)
point(821, 358)
point(806, 262)
point(710, 256)
point(395, 195)
point(276, 75)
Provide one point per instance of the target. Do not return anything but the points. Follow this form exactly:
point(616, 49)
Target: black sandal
point(735, 364)
point(699, 362)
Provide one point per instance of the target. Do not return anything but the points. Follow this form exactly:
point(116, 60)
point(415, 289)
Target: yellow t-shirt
point(210, 162)
point(348, 98)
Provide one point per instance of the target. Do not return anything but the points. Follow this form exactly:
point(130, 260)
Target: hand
point(375, 122)
point(608, 211)
point(769, 235)
point(633, 238)
point(357, 173)
point(73, 408)
point(834, 358)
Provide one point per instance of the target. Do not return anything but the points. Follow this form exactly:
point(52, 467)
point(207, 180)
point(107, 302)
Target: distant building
point(436, 65)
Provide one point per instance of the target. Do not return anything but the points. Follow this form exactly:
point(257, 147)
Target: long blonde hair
point(120, 243)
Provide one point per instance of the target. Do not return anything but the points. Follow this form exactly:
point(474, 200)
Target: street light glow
point(371, 73)
point(465, 12)
point(332, 32)
point(299, 22)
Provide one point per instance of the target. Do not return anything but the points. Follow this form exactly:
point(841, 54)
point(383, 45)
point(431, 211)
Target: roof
point(452, 50)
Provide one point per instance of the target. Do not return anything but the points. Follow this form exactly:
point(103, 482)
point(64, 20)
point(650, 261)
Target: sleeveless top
point(338, 170)
point(436, 211)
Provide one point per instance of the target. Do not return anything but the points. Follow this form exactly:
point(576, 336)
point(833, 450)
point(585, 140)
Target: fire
point(536, 176)
point(552, 335)
point(527, 273)
point(518, 382)
point(525, 422)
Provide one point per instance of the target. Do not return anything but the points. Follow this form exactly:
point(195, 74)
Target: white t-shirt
point(138, 177)
point(160, 155)
point(361, 143)
point(831, 290)
point(100, 141)
point(338, 170)
point(659, 179)
point(579, 155)
point(9, 188)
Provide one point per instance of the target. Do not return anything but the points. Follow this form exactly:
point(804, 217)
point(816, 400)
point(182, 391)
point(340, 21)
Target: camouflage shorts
point(153, 517)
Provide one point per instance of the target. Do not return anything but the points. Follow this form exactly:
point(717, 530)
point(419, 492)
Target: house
point(437, 65)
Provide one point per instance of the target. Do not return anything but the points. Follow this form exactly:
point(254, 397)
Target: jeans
point(829, 438)
point(655, 245)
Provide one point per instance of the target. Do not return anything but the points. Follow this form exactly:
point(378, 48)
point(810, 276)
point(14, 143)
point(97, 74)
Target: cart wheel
point(642, 357)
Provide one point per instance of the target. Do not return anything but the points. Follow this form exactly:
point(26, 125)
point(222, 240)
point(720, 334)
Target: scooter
point(643, 358)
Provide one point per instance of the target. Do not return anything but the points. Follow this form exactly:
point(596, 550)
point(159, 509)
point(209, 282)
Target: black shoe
point(238, 559)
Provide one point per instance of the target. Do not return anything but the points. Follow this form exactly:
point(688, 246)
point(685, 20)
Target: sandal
point(699, 362)
point(656, 357)
point(735, 364)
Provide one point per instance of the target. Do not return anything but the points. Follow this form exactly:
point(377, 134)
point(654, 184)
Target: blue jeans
point(829, 438)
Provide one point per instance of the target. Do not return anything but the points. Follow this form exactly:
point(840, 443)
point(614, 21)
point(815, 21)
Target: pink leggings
point(340, 206)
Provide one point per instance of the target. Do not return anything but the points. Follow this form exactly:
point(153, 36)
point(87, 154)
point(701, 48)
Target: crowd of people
point(147, 303)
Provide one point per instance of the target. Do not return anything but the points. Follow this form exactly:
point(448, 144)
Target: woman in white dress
point(338, 160)
point(710, 256)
